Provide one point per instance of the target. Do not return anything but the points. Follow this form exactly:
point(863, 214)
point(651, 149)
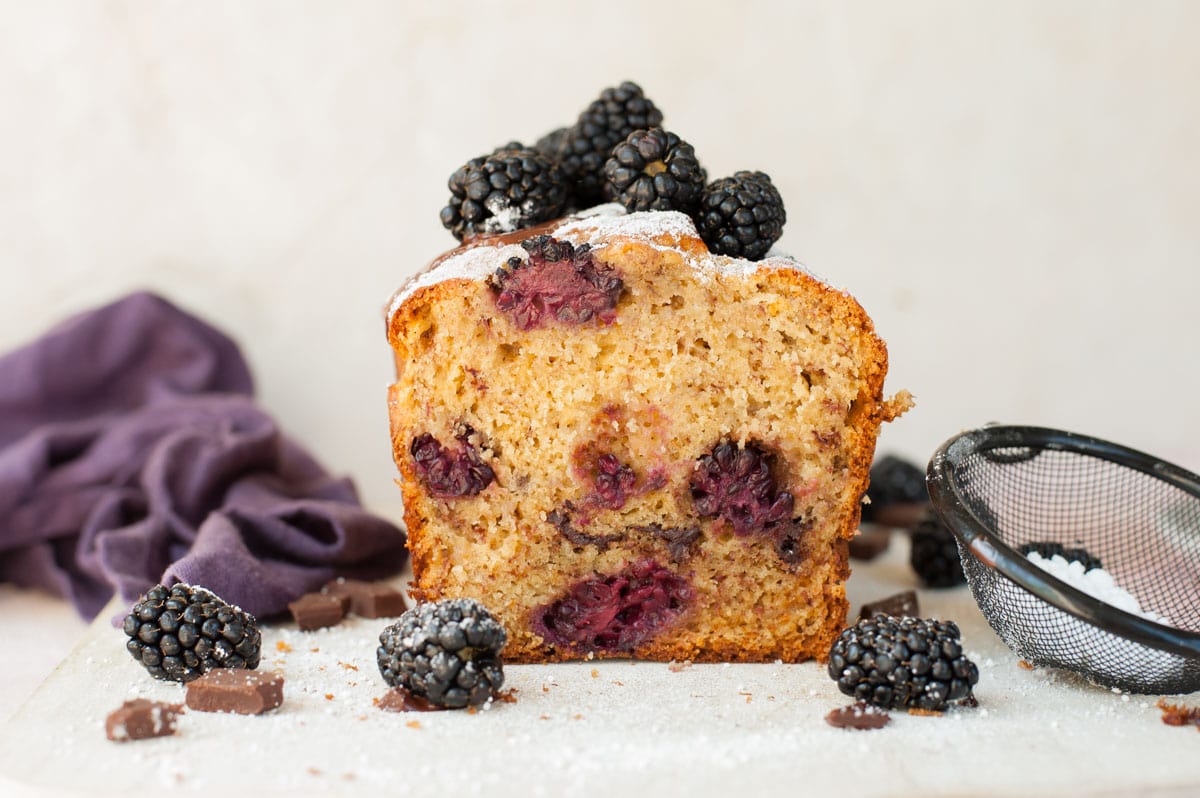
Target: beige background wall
point(1011, 189)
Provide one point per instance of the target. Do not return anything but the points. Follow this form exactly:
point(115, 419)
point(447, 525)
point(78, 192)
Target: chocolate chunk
point(561, 520)
point(679, 539)
point(400, 700)
point(858, 716)
point(318, 610)
point(901, 605)
point(139, 719)
point(870, 542)
point(368, 599)
point(903, 515)
point(236, 690)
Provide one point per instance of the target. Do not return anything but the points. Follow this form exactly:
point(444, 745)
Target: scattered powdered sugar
point(1097, 583)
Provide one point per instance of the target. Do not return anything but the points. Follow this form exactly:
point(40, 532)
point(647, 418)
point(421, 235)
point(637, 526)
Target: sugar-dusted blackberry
point(618, 111)
point(512, 188)
point(934, 553)
point(183, 632)
point(556, 281)
point(445, 651)
point(1048, 549)
point(894, 480)
point(654, 170)
point(736, 484)
point(894, 663)
point(741, 216)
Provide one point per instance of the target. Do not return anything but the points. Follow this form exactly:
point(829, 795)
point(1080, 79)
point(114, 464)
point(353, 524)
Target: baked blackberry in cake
point(626, 446)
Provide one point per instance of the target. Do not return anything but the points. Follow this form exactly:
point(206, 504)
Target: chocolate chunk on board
point(901, 515)
point(236, 690)
point(858, 716)
point(317, 610)
point(870, 542)
point(368, 599)
point(901, 605)
point(140, 719)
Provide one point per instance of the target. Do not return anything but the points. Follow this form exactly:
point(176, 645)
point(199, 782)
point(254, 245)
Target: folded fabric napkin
point(132, 453)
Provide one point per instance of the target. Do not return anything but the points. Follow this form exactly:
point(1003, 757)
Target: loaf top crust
point(598, 227)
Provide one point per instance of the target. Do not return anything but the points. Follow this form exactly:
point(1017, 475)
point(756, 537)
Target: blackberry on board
point(741, 216)
point(445, 651)
point(934, 553)
point(654, 170)
point(183, 632)
point(910, 663)
point(617, 112)
point(512, 188)
point(894, 480)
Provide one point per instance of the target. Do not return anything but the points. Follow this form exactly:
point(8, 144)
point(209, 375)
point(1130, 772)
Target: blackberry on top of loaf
point(621, 439)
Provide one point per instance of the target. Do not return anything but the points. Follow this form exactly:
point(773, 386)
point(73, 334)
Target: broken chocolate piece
point(400, 700)
point(140, 719)
point(236, 690)
point(870, 542)
point(317, 610)
point(679, 539)
point(858, 716)
point(368, 599)
point(901, 515)
point(901, 605)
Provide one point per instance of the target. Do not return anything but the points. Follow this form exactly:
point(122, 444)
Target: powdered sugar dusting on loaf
point(607, 221)
point(596, 227)
point(475, 263)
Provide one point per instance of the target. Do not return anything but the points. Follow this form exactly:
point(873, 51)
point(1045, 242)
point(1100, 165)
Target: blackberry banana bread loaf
point(625, 445)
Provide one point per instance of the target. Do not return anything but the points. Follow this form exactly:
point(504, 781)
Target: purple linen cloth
point(131, 453)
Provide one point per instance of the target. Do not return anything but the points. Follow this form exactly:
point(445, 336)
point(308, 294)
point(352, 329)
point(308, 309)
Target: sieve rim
point(983, 542)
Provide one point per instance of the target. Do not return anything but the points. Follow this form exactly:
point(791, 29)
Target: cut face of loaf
point(625, 446)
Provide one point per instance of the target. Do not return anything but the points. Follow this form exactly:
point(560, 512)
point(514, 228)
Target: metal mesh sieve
point(1001, 487)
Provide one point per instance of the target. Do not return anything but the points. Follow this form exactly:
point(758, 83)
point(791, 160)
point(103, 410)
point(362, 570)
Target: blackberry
point(618, 111)
point(553, 143)
point(896, 663)
point(613, 481)
point(741, 216)
point(1048, 549)
point(450, 473)
point(934, 553)
point(654, 170)
point(893, 481)
point(617, 612)
point(183, 632)
point(446, 651)
point(557, 280)
point(512, 188)
point(737, 485)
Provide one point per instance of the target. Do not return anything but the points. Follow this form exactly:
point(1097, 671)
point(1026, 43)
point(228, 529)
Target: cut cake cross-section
point(626, 446)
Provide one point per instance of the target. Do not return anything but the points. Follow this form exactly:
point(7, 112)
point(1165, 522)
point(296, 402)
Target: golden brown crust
point(489, 547)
